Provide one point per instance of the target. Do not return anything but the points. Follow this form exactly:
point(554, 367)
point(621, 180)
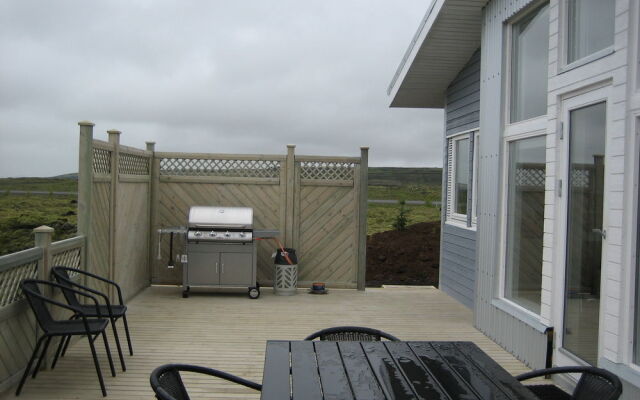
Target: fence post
point(114, 139)
point(362, 217)
point(85, 182)
point(154, 171)
point(290, 211)
point(43, 239)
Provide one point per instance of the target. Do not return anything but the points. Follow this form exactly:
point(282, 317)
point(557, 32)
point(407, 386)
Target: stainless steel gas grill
point(220, 249)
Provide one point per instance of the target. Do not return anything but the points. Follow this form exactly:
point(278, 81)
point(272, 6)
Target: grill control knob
point(227, 234)
point(198, 234)
point(212, 234)
point(242, 234)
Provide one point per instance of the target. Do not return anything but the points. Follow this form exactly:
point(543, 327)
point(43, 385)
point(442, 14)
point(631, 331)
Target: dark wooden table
point(384, 370)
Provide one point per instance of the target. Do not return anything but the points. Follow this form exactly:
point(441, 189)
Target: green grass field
point(19, 214)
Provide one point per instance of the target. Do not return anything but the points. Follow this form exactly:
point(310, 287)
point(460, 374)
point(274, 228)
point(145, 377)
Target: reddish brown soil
point(409, 257)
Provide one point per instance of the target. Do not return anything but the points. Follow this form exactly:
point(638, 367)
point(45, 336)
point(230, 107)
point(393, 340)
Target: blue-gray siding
point(457, 263)
point(458, 245)
point(463, 98)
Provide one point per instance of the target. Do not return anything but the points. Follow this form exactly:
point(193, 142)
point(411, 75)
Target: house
point(542, 122)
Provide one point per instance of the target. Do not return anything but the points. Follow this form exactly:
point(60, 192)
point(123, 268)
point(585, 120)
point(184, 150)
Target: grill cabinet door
point(203, 268)
point(236, 269)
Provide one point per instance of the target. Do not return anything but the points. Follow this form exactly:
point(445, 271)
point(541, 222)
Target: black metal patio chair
point(351, 333)
point(167, 383)
point(82, 325)
point(594, 384)
point(113, 311)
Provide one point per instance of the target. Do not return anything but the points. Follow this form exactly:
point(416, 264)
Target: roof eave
point(446, 38)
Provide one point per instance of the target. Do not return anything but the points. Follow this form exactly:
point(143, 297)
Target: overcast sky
point(244, 76)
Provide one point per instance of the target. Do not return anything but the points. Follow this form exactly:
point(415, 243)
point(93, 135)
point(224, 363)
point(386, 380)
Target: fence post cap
point(86, 123)
point(364, 148)
point(291, 146)
point(43, 229)
point(113, 132)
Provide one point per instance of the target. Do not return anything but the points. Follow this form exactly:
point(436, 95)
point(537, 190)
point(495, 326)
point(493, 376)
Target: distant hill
point(397, 176)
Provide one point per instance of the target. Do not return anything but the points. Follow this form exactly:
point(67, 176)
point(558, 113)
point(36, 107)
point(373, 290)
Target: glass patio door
point(584, 230)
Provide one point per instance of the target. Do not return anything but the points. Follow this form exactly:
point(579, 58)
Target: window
point(529, 65)
point(525, 221)
point(462, 175)
point(590, 27)
point(460, 178)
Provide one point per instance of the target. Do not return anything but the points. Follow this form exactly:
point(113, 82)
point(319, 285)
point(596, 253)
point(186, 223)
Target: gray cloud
point(208, 76)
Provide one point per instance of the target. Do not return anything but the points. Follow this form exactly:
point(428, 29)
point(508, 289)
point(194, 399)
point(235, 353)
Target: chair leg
point(106, 347)
point(115, 335)
point(126, 330)
point(97, 364)
point(28, 368)
point(55, 359)
point(66, 345)
point(42, 356)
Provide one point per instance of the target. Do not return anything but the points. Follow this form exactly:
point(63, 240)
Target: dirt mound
point(409, 257)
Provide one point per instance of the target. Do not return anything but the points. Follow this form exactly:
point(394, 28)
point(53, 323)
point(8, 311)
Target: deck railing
point(17, 324)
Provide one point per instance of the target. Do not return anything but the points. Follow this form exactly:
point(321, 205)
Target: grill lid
point(201, 217)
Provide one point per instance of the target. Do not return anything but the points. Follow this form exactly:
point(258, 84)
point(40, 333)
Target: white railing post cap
point(43, 229)
point(291, 146)
point(86, 123)
point(113, 132)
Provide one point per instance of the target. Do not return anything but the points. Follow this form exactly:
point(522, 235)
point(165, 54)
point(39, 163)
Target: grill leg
point(26, 370)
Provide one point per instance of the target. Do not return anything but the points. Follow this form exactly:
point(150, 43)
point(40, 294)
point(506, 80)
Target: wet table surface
point(384, 370)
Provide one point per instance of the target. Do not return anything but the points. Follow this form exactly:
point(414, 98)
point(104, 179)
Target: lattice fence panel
point(329, 171)
point(101, 161)
point(530, 177)
point(10, 281)
point(580, 178)
point(133, 164)
point(226, 168)
point(68, 258)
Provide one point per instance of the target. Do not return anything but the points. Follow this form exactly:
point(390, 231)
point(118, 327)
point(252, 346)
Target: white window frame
point(474, 179)
point(563, 44)
point(451, 217)
point(516, 309)
point(531, 124)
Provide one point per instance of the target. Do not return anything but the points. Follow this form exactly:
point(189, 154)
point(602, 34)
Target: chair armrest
point(67, 306)
point(555, 370)
point(90, 290)
point(201, 370)
point(97, 277)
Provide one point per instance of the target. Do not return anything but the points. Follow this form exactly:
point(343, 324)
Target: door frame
point(567, 104)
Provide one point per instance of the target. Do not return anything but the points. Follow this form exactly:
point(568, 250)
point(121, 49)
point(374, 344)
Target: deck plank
point(228, 331)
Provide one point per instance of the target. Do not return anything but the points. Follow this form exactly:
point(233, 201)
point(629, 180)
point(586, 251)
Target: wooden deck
point(228, 331)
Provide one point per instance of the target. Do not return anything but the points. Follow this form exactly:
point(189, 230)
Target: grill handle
point(216, 268)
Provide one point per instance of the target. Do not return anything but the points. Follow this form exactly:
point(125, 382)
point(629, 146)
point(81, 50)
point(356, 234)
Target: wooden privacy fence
point(113, 209)
point(17, 323)
point(319, 205)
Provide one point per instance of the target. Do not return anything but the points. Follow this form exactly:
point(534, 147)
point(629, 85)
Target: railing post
point(154, 171)
point(114, 139)
point(362, 217)
point(43, 239)
point(85, 182)
point(290, 211)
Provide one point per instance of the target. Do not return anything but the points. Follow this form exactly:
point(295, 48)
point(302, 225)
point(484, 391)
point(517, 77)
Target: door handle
point(601, 232)
point(223, 268)
point(216, 268)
